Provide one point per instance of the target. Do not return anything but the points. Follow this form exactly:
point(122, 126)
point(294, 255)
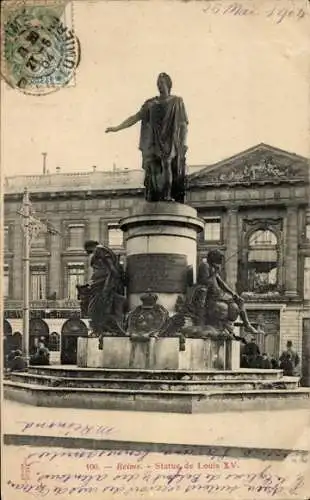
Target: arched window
point(263, 258)
point(38, 331)
point(54, 342)
point(17, 341)
point(7, 329)
point(71, 330)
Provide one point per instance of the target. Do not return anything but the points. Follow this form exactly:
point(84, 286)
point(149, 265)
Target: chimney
point(57, 170)
point(114, 167)
point(44, 163)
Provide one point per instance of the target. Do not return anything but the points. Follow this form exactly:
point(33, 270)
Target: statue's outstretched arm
point(126, 123)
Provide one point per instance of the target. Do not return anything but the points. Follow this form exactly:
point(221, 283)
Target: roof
point(258, 148)
point(116, 180)
point(84, 181)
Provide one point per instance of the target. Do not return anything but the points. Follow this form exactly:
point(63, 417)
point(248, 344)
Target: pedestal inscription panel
point(161, 273)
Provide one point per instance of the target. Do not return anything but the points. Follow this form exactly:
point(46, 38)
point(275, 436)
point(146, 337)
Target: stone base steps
point(158, 384)
point(180, 391)
point(135, 374)
point(160, 401)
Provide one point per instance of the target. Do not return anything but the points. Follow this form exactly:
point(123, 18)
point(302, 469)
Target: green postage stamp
point(40, 52)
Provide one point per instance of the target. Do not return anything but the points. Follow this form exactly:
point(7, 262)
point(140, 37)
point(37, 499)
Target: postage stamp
point(40, 52)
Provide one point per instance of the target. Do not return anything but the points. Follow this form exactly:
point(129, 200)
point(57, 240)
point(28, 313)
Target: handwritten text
point(67, 428)
point(239, 9)
point(107, 474)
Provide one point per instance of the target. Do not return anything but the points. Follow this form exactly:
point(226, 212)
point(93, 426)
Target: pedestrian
point(274, 363)
point(265, 362)
point(18, 364)
point(11, 356)
point(286, 364)
point(41, 357)
point(251, 352)
point(290, 356)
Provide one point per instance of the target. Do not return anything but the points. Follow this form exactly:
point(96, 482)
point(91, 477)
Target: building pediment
point(261, 164)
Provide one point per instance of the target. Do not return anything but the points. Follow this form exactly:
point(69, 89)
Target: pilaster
point(55, 270)
point(291, 254)
point(232, 238)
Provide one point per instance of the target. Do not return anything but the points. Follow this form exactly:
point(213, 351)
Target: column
point(17, 267)
point(305, 360)
point(291, 254)
point(232, 240)
point(104, 232)
point(55, 271)
point(161, 242)
point(94, 229)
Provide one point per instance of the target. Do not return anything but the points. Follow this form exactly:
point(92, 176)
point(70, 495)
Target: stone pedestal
point(159, 354)
point(210, 354)
point(161, 242)
point(88, 353)
point(232, 355)
point(122, 352)
point(115, 352)
point(161, 252)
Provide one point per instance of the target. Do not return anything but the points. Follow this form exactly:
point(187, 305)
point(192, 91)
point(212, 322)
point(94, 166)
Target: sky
point(244, 80)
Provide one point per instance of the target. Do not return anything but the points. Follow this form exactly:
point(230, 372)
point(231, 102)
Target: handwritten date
point(277, 14)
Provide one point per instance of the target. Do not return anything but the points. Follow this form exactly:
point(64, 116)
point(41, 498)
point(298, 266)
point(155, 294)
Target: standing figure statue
point(162, 143)
point(102, 298)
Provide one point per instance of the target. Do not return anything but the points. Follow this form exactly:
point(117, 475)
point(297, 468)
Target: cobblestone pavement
point(277, 429)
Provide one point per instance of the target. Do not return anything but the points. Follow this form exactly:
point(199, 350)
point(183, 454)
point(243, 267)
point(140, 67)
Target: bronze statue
point(212, 302)
point(162, 143)
point(102, 298)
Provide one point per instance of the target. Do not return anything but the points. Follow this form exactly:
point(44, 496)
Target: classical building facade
point(255, 207)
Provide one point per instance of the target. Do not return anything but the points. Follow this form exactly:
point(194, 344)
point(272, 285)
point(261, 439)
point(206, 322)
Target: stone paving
point(60, 453)
point(278, 429)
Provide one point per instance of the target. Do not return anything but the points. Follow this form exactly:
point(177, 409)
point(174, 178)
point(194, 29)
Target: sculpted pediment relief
point(262, 164)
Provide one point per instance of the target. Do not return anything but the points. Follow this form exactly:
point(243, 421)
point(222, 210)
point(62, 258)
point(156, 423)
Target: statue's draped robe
point(163, 135)
point(105, 285)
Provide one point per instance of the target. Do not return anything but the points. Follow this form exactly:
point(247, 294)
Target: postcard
point(155, 246)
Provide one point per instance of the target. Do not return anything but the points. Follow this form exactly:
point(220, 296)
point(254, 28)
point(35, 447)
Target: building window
point(307, 278)
point(76, 276)
point(76, 236)
point(212, 229)
point(262, 267)
point(39, 241)
point(6, 281)
point(54, 342)
point(115, 236)
point(6, 241)
point(17, 341)
point(38, 280)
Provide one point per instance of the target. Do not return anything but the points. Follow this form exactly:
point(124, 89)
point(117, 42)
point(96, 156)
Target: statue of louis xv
point(162, 143)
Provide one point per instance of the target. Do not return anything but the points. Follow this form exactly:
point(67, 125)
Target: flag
point(35, 227)
point(32, 223)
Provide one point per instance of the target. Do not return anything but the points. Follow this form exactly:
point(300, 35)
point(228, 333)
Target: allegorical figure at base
point(162, 143)
point(102, 298)
point(213, 302)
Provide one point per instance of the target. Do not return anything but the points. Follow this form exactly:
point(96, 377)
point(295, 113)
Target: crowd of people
point(15, 361)
point(251, 357)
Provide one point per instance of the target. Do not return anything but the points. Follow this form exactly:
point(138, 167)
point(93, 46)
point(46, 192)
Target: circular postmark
point(40, 53)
